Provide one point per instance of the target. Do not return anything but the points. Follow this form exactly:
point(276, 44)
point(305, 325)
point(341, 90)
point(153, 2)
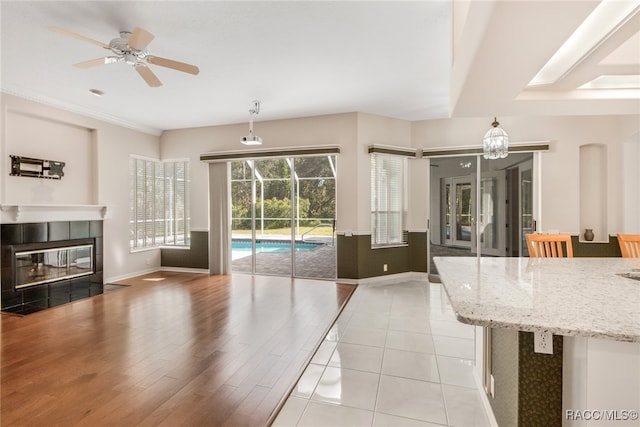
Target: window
point(388, 209)
point(159, 203)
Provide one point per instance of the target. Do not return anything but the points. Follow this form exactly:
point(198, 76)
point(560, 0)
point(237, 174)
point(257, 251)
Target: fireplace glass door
point(34, 267)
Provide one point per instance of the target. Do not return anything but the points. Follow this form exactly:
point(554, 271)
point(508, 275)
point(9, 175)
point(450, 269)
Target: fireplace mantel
point(15, 213)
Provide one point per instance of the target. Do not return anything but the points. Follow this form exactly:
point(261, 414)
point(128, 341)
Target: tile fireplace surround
point(36, 235)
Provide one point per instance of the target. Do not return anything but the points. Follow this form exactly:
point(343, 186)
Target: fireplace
point(40, 263)
point(46, 264)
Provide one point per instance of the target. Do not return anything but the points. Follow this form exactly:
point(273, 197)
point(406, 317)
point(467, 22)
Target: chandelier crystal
point(495, 144)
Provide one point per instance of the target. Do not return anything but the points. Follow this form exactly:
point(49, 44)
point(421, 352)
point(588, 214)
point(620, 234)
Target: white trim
point(41, 99)
point(186, 270)
point(389, 245)
point(47, 213)
point(347, 281)
point(349, 233)
point(386, 280)
point(175, 247)
point(485, 402)
point(415, 230)
point(112, 280)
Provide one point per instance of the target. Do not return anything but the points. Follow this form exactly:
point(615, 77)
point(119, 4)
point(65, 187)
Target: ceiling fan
point(130, 48)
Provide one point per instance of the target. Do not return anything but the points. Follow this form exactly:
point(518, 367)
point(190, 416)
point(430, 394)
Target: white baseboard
point(485, 402)
point(185, 270)
point(387, 279)
point(130, 275)
point(154, 270)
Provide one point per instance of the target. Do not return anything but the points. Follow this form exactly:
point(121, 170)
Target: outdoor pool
point(242, 248)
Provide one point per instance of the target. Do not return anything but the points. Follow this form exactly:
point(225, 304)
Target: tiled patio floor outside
point(319, 263)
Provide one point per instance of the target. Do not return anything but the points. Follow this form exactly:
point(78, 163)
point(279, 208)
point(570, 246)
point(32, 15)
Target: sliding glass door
point(315, 216)
point(480, 207)
point(242, 216)
point(283, 216)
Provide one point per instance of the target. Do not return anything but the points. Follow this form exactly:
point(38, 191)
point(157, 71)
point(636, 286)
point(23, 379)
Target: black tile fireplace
point(46, 264)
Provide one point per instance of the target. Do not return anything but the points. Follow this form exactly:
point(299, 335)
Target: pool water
point(271, 246)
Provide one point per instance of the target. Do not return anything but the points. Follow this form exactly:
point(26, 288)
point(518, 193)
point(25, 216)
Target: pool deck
point(317, 263)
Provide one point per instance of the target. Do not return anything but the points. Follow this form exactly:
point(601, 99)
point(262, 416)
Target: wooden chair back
point(549, 245)
point(629, 245)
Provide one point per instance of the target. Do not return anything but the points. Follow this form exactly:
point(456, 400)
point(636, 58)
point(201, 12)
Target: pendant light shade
point(496, 142)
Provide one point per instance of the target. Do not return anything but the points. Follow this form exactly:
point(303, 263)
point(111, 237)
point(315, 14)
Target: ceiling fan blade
point(176, 65)
point(148, 76)
point(99, 61)
point(77, 36)
point(139, 38)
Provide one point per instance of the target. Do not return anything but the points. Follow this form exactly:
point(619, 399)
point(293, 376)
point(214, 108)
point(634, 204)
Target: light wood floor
point(172, 349)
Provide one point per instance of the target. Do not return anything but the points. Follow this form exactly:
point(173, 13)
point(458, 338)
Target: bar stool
point(629, 245)
point(549, 245)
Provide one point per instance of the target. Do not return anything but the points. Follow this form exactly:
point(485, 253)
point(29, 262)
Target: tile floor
point(396, 356)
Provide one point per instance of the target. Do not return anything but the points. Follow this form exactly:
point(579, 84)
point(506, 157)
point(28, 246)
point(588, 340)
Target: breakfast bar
point(591, 306)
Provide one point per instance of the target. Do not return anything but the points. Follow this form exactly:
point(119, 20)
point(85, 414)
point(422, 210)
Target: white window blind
point(388, 211)
point(159, 205)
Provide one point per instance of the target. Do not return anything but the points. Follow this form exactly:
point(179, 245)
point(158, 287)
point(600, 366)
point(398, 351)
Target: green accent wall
point(197, 256)
point(540, 384)
point(596, 249)
point(357, 260)
point(528, 385)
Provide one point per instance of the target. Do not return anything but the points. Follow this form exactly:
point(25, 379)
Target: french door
point(458, 207)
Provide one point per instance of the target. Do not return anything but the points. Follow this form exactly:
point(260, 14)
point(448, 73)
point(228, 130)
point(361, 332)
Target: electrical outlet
point(384, 267)
point(543, 342)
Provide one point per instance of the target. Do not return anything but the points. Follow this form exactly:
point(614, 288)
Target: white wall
point(97, 160)
point(560, 169)
point(377, 130)
point(631, 185)
point(42, 137)
point(115, 146)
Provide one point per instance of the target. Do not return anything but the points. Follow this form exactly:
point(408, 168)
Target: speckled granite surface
point(566, 296)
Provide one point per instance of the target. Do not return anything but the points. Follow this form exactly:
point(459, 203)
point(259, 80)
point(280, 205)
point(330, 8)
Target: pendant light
point(495, 144)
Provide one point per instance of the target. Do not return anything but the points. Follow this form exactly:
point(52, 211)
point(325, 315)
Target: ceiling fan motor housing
point(120, 46)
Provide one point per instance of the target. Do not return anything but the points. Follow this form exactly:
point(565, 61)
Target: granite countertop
point(566, 296)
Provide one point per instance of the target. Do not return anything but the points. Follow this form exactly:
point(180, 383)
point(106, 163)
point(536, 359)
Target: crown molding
point(72, 108)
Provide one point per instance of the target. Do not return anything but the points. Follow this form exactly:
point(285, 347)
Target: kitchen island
point(590, 305)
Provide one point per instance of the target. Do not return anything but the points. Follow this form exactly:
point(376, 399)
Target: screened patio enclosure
point(283, 216)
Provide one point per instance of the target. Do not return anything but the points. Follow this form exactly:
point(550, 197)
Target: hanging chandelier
point(495, 144)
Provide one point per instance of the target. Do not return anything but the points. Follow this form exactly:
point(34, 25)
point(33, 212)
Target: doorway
point(283, 216)
point(486, 219)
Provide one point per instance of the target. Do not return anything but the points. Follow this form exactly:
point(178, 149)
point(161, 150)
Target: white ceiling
point(306, 58)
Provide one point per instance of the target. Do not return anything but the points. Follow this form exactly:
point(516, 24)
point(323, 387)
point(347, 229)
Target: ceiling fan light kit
point(130, 48)
point(252, 139)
